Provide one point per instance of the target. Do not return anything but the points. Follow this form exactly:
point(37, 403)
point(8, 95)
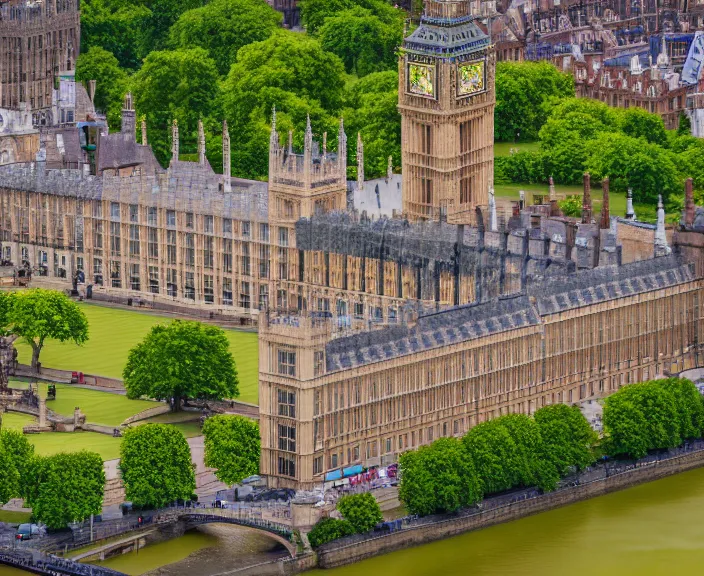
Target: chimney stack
point(605, 222)
point(587, 200)
point(689, 207)
point(630, 213)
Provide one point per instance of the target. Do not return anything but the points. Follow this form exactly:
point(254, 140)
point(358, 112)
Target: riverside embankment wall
point(339, 553)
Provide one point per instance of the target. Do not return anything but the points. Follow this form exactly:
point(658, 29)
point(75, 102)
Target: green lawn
point(113, 332)
point(48, 443)
point(504, 148)
point(187, 422)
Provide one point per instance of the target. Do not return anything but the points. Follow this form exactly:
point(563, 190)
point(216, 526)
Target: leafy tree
point(630, 162)
point(9, 476)
point(495, 456)
point(181, 360)
point(685, 126)
point(438, 478)
point(534, 466)
point(688, 403)
point(329, 529)
point(6, 298)
point(111, 82)
point(571, 206)
point(232, 447)
point(66, 488)
point(523, 166)
point(691, 163)
point(223, 26)
point(372, 109)
point(315, 12)
point(641, 417)
point(293, 73)
point(155, 461)
point(567, 436)
point(362, 511)
point(37, 315)
point(181, 85)
point(118, 28)
point(20, 453)
point(362, 40)
point(524, 94)
point(639, 123)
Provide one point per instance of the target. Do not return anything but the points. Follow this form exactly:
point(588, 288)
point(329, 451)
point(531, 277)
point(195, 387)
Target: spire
point(226, 159)
point(630, 213)
point(308, 142)
point(605, 222)
point(144, 132)
point(360, 162)
point(342, 150)
point(493, 221)
point(201, 142)
point(552, 189)
point(587, 200)
point(290, 142)
point(274, 135)
point(663, 61)
point(689, 208)
point(390, 168)
point(325, 144)
point(174, 140)
point(661, 246)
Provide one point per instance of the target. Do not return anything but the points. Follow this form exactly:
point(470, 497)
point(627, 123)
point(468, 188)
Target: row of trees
point(360, 513)
point(508, 452)
point(629, 146)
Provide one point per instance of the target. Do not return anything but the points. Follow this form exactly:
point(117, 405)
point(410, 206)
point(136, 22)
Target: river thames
point(652, 529)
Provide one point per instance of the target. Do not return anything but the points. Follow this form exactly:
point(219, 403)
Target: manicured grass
point(113, 332)
point(504, 148)
point(48, 443)
point(13, 517)
point(187, 422)
point(16, 421)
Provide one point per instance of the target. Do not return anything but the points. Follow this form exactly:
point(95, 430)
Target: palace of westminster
point(390, 312)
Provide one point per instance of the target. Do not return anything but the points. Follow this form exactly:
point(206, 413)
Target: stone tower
point(446, 101)
point(301, 185)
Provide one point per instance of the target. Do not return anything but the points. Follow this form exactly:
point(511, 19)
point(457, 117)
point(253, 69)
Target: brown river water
point(652, 529)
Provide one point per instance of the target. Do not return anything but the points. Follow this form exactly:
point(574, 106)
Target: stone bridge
point(36, 563)
point(282, 533)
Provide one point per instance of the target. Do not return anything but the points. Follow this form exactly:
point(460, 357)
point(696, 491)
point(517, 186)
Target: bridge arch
point(281, 533)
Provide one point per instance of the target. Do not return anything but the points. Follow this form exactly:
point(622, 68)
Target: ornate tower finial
point(174, 140)
point(201, 142)
point(390, 168)
point(552, 189)
point(360, 162)
point(325, 144)
point(661, 246)
point(226, 159)
point(290, 142)
point(689, 207)
point(630, 213)
point(273, 135)
point(493, 220)
point(308, 142)
point(144, 132)
point(587, 200)
point(342, 150)
point(605, 220)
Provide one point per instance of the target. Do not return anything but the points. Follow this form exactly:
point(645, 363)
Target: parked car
point(275, 494)
point(27, 531)
point(221, 504)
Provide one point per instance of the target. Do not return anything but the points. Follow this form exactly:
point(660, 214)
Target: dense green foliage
point(629, 146)
point(182, 360)
point(438, 478)
point(36, 315)
point(524, 91)
point(17, 456)
point(329, 529)
point(66, 488)
point(111, 82)
point(6, 298)
point(652, 415)
point(155, 461)
point(222, 27)
point(9, 476)
point(232, 447)
point(362, 511)
point(571, 206)
point(567, 436)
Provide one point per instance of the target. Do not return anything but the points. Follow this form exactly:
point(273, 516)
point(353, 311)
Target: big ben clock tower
point(446, 101)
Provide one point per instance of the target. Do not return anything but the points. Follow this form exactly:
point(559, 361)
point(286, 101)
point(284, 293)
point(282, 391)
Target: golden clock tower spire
point(446, 101)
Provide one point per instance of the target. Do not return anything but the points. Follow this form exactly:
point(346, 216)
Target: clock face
point(470, 78)
point(421, 80)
